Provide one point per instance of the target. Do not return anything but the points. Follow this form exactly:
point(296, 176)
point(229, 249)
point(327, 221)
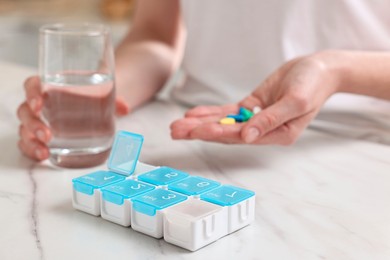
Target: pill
point(238, 118)
point(227, 121)
point(256, 109)
point(247, 114)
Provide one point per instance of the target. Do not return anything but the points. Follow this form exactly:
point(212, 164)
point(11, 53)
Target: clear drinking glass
point(77, 76)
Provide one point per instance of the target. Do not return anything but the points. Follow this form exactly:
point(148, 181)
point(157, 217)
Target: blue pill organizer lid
point(163, 176)
point(125, 152)
point(89, 182)
point(158, 199)
point(193, 185)
point(227, 195)
point(118, 192)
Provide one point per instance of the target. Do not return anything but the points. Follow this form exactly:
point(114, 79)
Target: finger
point(269, 119)
point(201, 111)
point(32, 124)
point(34, 150)
point(25, 134)
point(122, 108)
point(180, 129)
point(33, 90)
point(31, 146)
point(251, 102)
point(214, 132)
point(288, 133)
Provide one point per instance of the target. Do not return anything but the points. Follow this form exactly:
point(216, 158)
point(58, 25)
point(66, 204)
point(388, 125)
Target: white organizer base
point(191, 224)
point(149, 225)
point(119, 214)
point(241, 214)
point(87, 203)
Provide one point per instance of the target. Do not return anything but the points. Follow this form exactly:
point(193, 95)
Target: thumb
point(267, 120)
point(121, 107)
point(33, 91)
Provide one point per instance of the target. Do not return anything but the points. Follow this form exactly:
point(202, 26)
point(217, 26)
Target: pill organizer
point(162, 202)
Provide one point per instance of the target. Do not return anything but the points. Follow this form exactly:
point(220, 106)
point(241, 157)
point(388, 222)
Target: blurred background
point(20, 21)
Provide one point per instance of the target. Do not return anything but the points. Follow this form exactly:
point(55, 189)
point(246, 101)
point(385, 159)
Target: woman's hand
point(290, 98)
point(34, 134)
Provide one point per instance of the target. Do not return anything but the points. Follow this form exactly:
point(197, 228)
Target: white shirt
point(233, 45)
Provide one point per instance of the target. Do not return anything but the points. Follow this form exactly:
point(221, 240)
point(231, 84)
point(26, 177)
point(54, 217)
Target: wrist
point(336, 68)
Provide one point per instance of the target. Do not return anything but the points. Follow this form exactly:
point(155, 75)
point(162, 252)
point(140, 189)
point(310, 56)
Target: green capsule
point(247, 114)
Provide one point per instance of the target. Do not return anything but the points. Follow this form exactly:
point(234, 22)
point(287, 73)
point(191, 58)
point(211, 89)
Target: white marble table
point(326, 197)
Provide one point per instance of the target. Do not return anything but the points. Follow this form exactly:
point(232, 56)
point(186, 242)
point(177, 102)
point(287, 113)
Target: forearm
point(360, 72)
point(142, 68)
point(151, 51)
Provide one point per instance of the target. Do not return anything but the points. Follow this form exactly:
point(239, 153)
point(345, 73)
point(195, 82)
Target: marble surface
point(326, 197)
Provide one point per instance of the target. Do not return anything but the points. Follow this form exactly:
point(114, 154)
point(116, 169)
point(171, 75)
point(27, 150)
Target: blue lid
point(125, 152)
point(238, 118)
point(87, 183)
point(116, 193)
point(158, 199)
point(227, 195)
point(193, 185)
point(163, 176)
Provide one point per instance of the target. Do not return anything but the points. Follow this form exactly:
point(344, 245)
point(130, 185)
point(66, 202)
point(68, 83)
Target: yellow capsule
point(227, 121)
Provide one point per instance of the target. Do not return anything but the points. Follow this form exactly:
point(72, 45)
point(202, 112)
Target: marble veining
point(34, 210)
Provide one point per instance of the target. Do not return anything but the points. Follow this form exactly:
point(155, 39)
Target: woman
point(294, 54)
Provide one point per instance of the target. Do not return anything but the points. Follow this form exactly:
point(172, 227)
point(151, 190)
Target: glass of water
point(77, 77)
